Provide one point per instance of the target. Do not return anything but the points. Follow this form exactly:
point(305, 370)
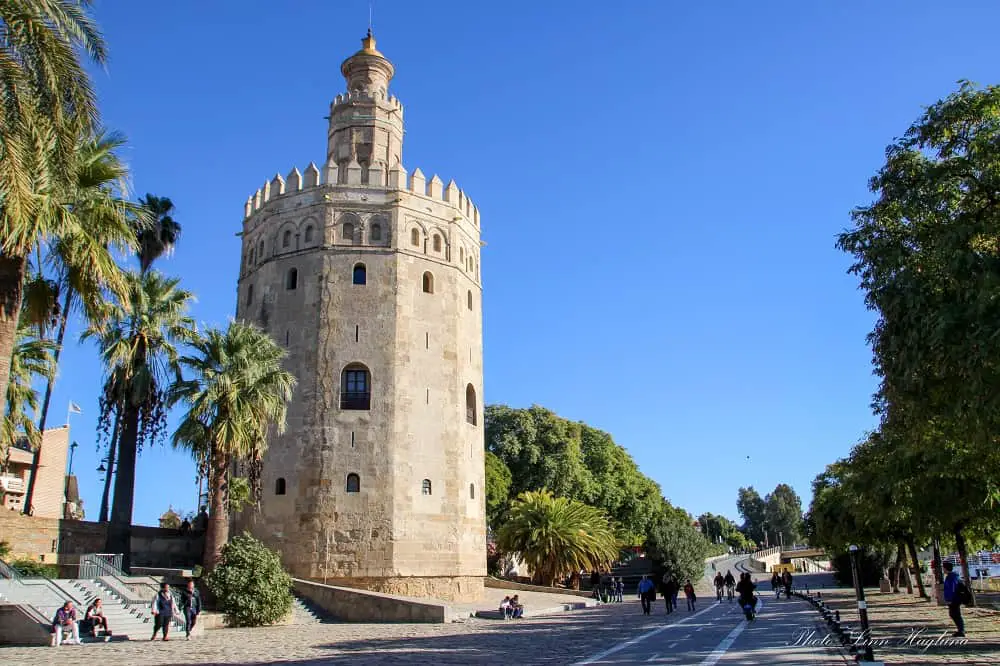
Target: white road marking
point(672, 645)
point(654, 657)
point(724, 646)
point(638, 639)
point(699, 628)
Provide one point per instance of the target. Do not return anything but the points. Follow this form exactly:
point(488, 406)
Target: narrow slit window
point(472, 491)
point(437, 243)
point(347, 232)
point(250, 294)
point(376, 233)
point(292, 279)
point(286, 238)
point(279, 487)
point(425, 487)
point(309, 234)
point(470, 404)
point(468, 299)
point(357, 332)
point(415, 237)
point(428, 283)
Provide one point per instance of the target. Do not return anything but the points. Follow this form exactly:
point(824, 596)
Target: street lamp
point(862, 604)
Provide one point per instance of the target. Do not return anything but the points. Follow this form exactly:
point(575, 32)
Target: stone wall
point(361, 606)
point(19, 627)
point(63, 541)
point(449, 588)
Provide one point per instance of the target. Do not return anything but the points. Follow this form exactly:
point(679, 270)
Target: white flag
point(74, 408)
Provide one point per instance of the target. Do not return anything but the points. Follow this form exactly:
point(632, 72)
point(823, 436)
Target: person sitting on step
point(97, 620)
point(517, 610)
point(505, 608)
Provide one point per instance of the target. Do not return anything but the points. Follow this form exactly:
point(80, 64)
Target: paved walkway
point(895, 617)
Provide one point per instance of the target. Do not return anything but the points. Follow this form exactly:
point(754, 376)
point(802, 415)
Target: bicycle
point(729, 592)
point(718, 593)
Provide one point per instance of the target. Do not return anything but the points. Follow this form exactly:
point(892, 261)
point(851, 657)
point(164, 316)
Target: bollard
point(837, 614)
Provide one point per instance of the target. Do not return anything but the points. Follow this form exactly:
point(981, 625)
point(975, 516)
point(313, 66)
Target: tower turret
point(365, 139)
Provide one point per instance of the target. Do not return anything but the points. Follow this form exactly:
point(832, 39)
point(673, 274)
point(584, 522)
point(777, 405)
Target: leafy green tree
point(32, 359)
point(555, 536)
point(783, 511)
point(250, 584)
point(754, 512)
point(46, 104)
point(137, 339)
point(676, 546)
point(236, 392)
point(498, 480)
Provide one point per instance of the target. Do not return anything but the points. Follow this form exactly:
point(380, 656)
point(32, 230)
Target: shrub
point(31, 569)
point(250, 584)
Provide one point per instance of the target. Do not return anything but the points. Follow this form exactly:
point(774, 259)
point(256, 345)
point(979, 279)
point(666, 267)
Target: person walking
point(595, 584)
point(786, 579)
point(689, 594)
point(619, 590)
point(647, 593)
point(164, 608)
point(955, 594)
point(670, 589)
point(191, 607)
point(776, 585)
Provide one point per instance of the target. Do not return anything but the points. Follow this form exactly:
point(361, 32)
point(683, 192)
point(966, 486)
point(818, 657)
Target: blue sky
point(660, 187)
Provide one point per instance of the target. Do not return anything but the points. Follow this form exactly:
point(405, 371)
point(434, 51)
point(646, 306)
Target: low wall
point(355, 605)
point(763, 560)
point(502, 584)
point(62, 542)
point(19, 627)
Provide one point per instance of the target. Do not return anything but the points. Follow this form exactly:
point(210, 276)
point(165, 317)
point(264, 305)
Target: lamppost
point(105, 499)
point(862, 604)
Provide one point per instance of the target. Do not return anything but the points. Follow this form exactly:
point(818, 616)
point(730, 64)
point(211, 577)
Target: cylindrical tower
point(370, 277)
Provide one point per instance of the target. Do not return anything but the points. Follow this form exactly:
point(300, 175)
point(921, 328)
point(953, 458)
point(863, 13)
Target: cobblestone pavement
point(896, 616)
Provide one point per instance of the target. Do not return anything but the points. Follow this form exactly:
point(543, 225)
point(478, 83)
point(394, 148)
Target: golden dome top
point(368, 45)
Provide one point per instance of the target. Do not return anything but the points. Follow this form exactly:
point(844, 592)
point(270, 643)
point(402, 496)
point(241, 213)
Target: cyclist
point(719, 583)
point(746, 589)
point(730, 585)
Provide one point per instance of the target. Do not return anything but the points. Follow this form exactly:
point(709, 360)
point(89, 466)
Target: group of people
point(727, 583)
point(782, 582)
point(66, 625)
point(512, 608)
point(671, 590)
point(607, 588)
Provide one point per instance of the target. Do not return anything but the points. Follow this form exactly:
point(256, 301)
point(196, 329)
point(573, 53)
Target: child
point(517, 610)
point(620, 590)
point(689, 593)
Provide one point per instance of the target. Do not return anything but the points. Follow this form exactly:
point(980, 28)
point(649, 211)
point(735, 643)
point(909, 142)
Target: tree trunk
point(936, 563)
point(120, 527)
point(218, 510)
point(112, 449)
point(49, 385)
point(912, 546)
point(963, 555)
point(11, 295)
point(895, 578)
point(905, 568)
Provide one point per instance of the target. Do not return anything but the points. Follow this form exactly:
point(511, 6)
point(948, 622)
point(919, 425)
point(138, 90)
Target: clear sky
point(660, 187)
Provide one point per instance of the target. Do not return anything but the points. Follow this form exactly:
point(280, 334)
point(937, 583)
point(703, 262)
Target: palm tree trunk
point(963, 555)
point(11, 294)
point(120, 527)
point(49, 385)
point(112, 449)
point(912, 547)
point(217, 533)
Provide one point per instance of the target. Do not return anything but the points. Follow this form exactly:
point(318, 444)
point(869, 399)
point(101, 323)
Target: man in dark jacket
point(953, 593)
point(191, 607)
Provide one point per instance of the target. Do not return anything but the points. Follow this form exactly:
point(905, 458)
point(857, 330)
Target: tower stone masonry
point(369, 276)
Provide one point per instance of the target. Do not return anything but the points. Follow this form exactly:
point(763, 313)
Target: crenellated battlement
point(415, 183)
point(362, 96)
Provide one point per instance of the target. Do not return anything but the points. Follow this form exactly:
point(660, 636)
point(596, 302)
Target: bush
point(250, 585)
point(871, 564)
point(32, 569)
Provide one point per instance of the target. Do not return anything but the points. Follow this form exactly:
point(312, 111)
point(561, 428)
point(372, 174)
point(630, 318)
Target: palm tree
point(159, 236)
point(97, 200)
point(46, 103)
point(32, 358)
point(137, 337)
point(238, 390)
point(557, 535)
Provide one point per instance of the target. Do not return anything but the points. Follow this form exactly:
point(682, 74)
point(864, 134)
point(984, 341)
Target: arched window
point(309, 234)
point(355, 387)
point(425, 487)
point(376, 234)
point(472, 491)
point(428, 283)
point(260, 251)
point(347, 232)
point(360, 275)
point(461, 255)
point(437, 243)
point(253, 256)
point(292, 278)
point(468, 299)
point(286, 238)
point(353, 483)
point(470, 404)
point(415, 237)
point(250, 294)
point(279, 487)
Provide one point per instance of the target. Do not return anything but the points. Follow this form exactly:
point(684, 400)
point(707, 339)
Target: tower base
point(447, 588)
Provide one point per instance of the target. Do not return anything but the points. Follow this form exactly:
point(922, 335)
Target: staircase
point(306, 612)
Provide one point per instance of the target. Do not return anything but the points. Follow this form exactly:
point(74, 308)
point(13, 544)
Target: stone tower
point(370, 277)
